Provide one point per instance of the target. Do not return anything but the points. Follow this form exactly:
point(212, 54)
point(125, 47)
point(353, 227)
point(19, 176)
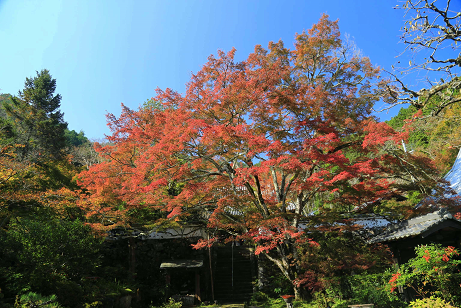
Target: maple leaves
point(253, 148)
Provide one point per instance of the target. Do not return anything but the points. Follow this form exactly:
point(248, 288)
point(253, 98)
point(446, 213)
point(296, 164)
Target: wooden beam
point(197, 286)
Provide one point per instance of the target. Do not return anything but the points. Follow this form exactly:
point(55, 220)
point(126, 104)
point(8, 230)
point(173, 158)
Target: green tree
point(436, 137)
point(38, 122)
point(6, 125)
point(74, 139)
point(44, 255)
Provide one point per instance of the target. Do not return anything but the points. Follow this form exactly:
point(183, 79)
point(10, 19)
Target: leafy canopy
point(255, 150)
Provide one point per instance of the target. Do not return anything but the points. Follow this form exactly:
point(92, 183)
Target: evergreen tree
point(6, 125)
point(38, 122)
point(74, 139)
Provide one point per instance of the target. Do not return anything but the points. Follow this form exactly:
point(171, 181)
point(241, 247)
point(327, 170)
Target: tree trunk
point(262, 275)
point(283, 263)
point(297, 291)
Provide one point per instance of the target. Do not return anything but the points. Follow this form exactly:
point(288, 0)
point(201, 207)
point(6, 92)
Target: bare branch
point(428, 33)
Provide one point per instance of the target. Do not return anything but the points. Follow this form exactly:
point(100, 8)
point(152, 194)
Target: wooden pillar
point(132, 258)
point(197, 285)
point(167, 283)
point(397, 260)
point(211, 271)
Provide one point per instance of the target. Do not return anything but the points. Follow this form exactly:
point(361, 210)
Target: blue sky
point(103, 53)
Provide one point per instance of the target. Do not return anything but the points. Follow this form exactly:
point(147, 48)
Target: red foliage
point(449, 252)
point(427, 256)
point(393, 280)
point(253, 145)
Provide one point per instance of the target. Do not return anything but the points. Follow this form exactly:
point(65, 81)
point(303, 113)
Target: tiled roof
point(413, 227)
point(421, 224)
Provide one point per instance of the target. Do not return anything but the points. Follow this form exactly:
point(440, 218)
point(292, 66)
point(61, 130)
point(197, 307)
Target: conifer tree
point(38, 122)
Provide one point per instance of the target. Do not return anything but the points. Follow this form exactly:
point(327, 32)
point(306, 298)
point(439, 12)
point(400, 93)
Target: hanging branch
point(430, 31)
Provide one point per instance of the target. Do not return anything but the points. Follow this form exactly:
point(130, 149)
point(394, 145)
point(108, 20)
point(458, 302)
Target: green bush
point(92, 305)
point(433, 272)
point(34, 300)
point(373, 289)
point(432, 302)
point(170, 304)
point(69, 293)
point(357, 289)
point(46, 256)
point(105, 290)
point(323, 299)
point(261, 299)
point(48, 253)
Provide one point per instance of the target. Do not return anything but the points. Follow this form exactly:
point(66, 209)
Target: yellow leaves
point(11, 170)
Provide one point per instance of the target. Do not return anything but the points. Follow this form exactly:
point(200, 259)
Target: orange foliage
point(253, 147)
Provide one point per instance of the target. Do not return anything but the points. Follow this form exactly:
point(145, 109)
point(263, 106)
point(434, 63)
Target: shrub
point(373, 289)
point(433, 272)
point(172, 304)
point(325, 299)
point(34, 300)
point(92, 305)
point(263, 300)
point(51, 252)
point(357, 289)
point(69, 293)
point(432, 302)
point(259, 297)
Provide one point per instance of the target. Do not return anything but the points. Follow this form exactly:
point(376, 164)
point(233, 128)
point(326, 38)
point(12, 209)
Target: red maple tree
point(254, 150)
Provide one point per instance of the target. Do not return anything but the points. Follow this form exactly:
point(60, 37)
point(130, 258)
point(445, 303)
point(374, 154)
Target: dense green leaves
point(38, 124)
point(44, 248)
point(74, 139)
point(436, 137)
point(43, 253)
point(434, 271)
point(34, 300)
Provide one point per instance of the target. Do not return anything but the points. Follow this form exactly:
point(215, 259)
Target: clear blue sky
point(106, 52)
